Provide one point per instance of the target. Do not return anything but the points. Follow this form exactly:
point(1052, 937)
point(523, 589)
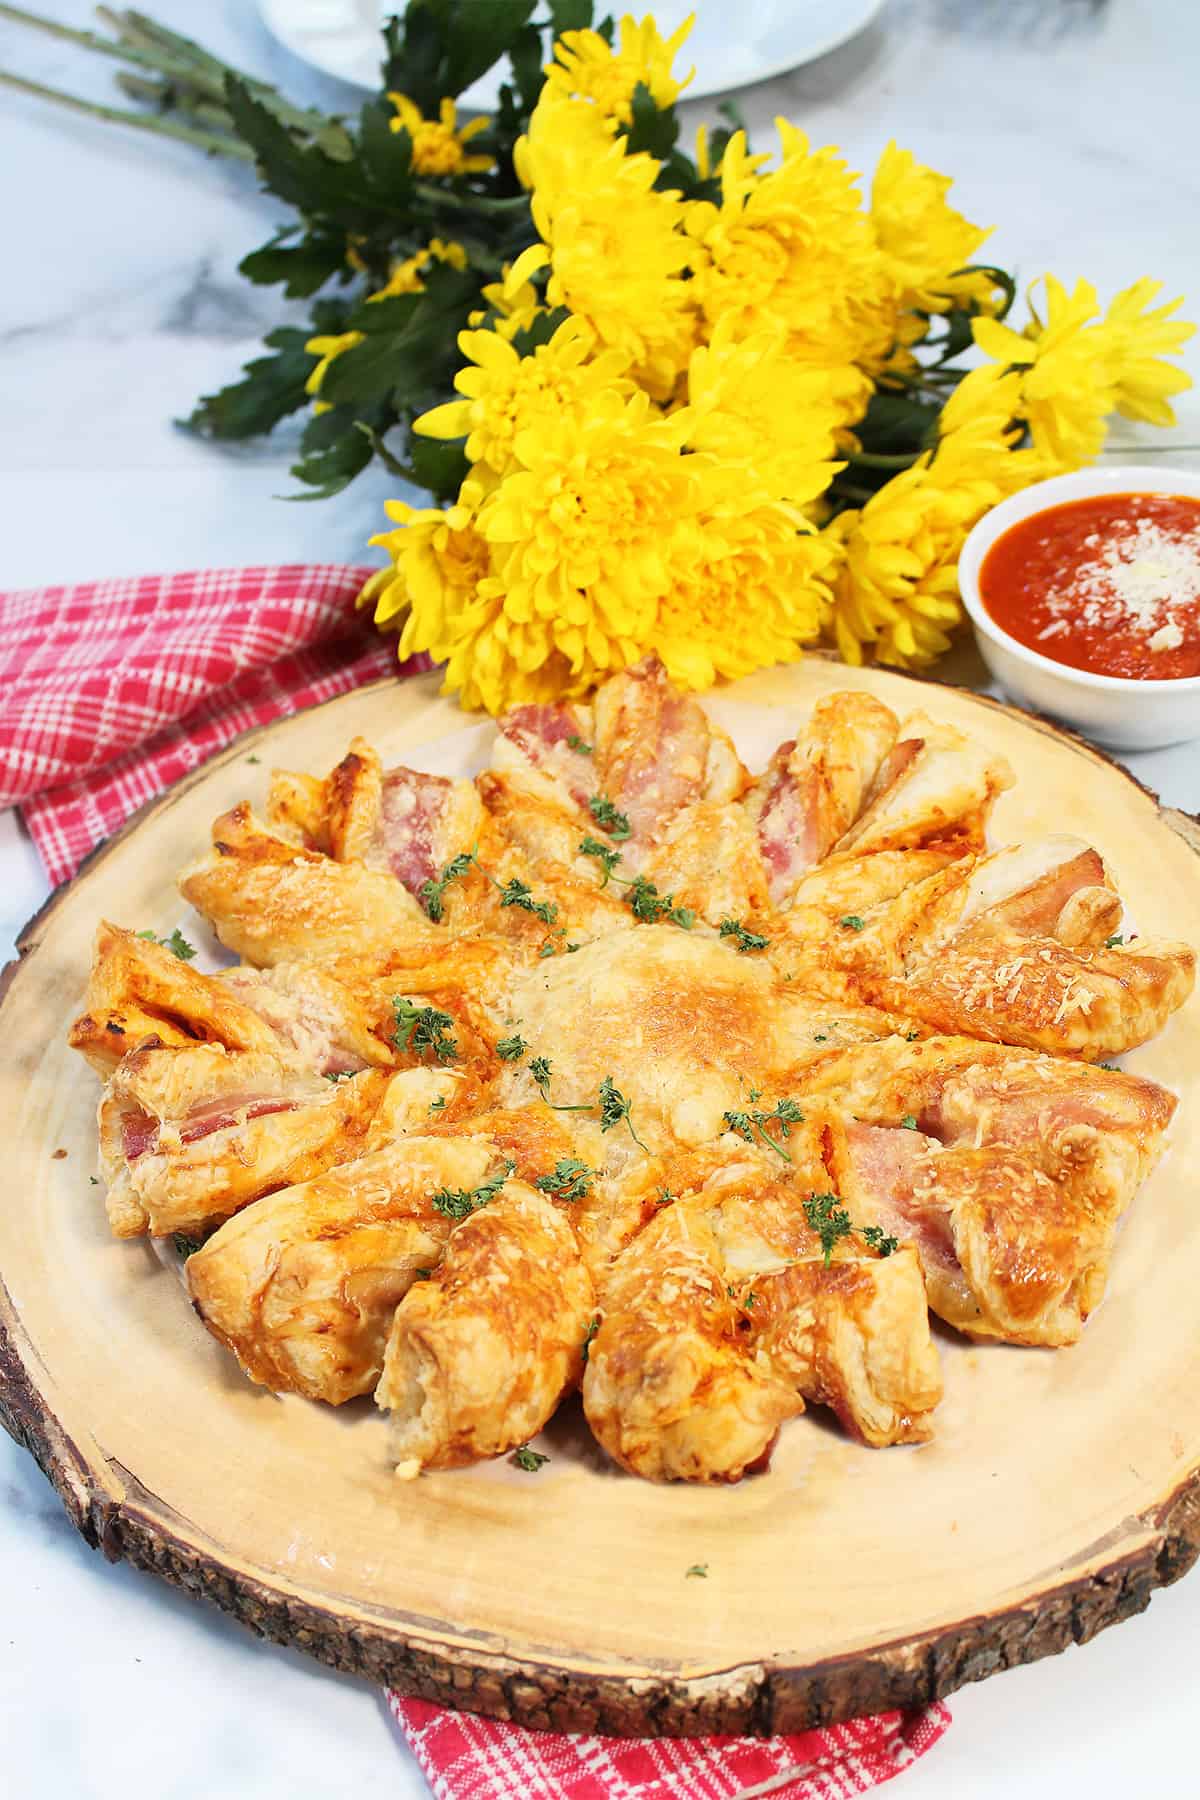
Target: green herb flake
point(438, 1104)
point(518, 893)
point(697, 1569)
point(177, 944)
point(604, 854)
point(568, 1180)
point(575, 742)
point(852, 922)
point(908, 1122)
point(185, 1245)
point(423, 1030)
point(608, 818)
point(539, 1068)
point(746, 941)
point(878, 1239)
point(511, 1049)
point(829, 1219)
point(529, 1460)
point(614, 1108)
point(460, 1203)
point(1112, 942)
point(254, 759)
point(432, 893)
point(593, 1328)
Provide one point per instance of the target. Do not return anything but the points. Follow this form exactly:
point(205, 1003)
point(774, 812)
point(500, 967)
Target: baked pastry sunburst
point(621, 1067)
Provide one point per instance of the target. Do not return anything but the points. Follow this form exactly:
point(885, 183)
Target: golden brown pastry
point(303, 1284)
point(480, 1354)
point(670, 1389)
point(272, 901)
point(816, 785)
point(189, 1134)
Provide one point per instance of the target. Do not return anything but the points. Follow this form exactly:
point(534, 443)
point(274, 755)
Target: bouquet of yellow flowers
point(712, 406)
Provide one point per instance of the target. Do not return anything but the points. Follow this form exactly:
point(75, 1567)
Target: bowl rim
point(1040, 496)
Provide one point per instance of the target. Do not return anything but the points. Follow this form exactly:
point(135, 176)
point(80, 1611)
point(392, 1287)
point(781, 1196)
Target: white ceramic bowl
point(1113, 709)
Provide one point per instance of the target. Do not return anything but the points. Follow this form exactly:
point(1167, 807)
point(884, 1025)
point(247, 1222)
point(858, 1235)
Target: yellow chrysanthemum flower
point(1139, 339)
point(515, 305)
point(1067, 381)
point(438, 146)
point(587, 67)
point(613, 242)
point(793, 247)
point(506, 392)
point(750, 589)
point(327, 347)
point(896, 593)
point(922, 240)
point(752, 404)
point(405, 278)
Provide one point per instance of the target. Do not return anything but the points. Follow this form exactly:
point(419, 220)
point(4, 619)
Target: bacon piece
point(536, 741)
point(814, 787)
point(412, 805)
point(657, 752)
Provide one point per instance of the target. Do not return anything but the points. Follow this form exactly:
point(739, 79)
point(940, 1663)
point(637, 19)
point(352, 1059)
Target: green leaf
point(302, 268)
point(386, 155)
point(897, 423)
point(314, 183)
point(649, 128)
point(327, 472)
point(273, 388)
point(482, 35)
point(409, 347)
point(570, 15)
point(438, 465)
point(527, 57)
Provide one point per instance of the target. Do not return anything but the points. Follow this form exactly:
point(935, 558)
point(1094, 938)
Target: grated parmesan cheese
point(1139, 577)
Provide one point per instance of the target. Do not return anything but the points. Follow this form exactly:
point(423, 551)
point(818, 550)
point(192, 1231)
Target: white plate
point(730, 46)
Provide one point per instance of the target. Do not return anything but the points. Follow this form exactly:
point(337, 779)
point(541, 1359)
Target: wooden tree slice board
point(1060, 1490)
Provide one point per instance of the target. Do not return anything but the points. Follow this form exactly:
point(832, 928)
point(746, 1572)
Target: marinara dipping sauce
point(1110, 584)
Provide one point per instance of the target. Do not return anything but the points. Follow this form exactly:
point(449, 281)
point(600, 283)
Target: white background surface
point(1070, 124)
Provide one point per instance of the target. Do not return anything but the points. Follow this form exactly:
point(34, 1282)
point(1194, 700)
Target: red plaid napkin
point(109, 691)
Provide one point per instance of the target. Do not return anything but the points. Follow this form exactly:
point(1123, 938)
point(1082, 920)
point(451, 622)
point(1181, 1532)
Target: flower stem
point(210, 142)
point(469, 202)
point(870, 459)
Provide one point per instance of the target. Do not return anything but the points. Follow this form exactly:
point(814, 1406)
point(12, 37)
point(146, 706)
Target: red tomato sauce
point(1110, 584)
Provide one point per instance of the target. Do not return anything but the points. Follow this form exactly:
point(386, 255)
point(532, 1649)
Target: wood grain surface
point(1060, 1490)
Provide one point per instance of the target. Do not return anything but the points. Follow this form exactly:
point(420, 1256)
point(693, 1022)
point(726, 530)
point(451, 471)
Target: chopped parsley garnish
point(95, 1180)
point(1111, 1067)
point(185, 1245)
point(422, 1274)
point(646, 903)
point(336, 1075)
point(911, 1037)
point(575, 742)
point(608, 818)
point(177, 944)
point(254, 759)
point(748, 1125)
point(909, 1122)
point(460, 1203)
point(432, 893)
point(518, 893)
point(539, 1068)
point(852, 922)
point(665, 1197)
point(423, 1028)
point(593, 1328)
point(1112, 942)
point(438, 1104)
point(831, 1222)
point(512, 1049)
point(700, 1569)
point(614, 1108)
point(605, 855)
point(745, 940)
point(529, 1460)
point(568, 1180)
point(820, 1037)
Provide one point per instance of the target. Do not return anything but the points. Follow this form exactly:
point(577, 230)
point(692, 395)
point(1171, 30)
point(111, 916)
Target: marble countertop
point(1068, 122)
